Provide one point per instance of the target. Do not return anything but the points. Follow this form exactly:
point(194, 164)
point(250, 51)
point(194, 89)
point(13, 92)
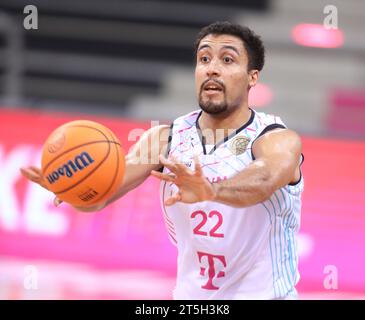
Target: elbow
point(267, 190)
point(266, 187)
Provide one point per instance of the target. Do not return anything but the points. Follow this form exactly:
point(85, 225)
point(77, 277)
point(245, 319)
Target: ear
point(253, 77)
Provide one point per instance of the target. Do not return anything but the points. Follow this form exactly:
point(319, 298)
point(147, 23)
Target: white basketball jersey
point(226, 252)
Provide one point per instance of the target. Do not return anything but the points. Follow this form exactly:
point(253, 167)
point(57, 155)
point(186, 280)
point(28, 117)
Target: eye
point(227, 59)
point(204, 59)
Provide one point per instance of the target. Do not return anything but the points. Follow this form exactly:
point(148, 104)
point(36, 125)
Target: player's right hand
point(35, 175)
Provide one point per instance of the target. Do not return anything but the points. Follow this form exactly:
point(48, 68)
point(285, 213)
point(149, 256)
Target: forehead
point(218, 41)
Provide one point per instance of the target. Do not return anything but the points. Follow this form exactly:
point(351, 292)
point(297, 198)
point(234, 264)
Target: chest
point(219, 161)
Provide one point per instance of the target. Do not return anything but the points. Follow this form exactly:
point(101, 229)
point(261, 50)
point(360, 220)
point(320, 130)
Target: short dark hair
point(251, 41)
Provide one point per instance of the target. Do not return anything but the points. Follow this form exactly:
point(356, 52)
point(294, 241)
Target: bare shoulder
point(281, 150)
point(278, 140)
point(159, 136)
point(151, 143)
point(163, 132)
point(157, 132)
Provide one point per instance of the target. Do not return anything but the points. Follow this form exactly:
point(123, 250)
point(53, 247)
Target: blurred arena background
point(125, 63)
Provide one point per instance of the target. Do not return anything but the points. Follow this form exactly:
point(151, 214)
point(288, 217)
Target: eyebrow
point(224, 47)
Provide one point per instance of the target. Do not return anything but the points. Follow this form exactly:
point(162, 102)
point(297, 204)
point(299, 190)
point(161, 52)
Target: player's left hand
point(193, 185)
point(35, 175)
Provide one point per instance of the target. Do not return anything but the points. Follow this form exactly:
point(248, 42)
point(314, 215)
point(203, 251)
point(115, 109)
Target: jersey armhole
point(168, 145)
point(300, 171)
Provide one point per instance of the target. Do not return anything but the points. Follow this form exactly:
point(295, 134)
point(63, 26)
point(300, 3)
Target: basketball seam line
point(73, 148)
point(112, 183)
point(91, 172)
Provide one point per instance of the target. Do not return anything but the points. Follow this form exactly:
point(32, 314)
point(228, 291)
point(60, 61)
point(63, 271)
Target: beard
point(213, 107)
point(208, 105)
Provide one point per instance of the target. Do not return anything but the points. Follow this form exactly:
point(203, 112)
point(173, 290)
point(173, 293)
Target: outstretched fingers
point(36, 170)
point(172, 200)
point(32, 174)
point(198, 167)
point(163, 176)
point(168, 163)
point(175, 166)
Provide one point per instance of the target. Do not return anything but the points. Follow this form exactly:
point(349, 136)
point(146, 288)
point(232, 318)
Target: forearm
point(248, 187)
point(131, 180)
point(135, 174)
point(123, 190)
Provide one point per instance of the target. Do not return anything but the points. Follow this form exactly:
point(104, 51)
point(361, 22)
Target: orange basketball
point(83, 163)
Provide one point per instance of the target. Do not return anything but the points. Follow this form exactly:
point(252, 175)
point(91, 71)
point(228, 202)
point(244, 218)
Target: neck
point(225, 123)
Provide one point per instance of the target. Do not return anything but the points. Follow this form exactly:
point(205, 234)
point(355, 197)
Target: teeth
point(212, 86)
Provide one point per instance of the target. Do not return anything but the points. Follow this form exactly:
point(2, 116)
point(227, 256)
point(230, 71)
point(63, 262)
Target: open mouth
point(212, 86)
point(212, 89)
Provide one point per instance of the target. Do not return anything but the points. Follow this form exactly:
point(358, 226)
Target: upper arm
point(279, 151)
point(142, 158)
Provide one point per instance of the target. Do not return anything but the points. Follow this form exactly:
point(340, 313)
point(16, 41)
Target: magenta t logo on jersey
point(212, 272)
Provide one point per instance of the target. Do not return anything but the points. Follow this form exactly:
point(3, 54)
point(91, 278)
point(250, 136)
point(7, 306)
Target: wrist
point(215, 191)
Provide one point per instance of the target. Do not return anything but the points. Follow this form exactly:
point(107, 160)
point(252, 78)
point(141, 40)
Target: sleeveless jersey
point(226, 252)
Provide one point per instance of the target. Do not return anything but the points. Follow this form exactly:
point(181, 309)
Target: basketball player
point(230, 179)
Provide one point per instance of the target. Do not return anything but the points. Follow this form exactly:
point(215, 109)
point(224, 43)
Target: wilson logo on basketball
point(79, 163)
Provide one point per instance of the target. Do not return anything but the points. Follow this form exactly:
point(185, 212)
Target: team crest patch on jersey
point(239, 145)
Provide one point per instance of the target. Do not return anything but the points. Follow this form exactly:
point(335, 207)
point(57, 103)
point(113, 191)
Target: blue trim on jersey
point(211, 169)
point(227, 163)
point(277, 199)
point(285, 213)
point(287, 242)
point(271, 256)
point(291, 235)
point(287, 237)
point(284, 274)
point(241, 160)
point(186, 121)
point(280, 285)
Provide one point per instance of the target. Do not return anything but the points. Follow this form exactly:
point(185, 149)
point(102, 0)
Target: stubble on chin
point(211, 107)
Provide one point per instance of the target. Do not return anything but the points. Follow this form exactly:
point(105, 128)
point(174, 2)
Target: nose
point(213, 69)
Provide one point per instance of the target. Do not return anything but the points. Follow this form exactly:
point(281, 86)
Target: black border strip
point(168, 145)
point(202, 139)
point(199, 130)
point(300, 171)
